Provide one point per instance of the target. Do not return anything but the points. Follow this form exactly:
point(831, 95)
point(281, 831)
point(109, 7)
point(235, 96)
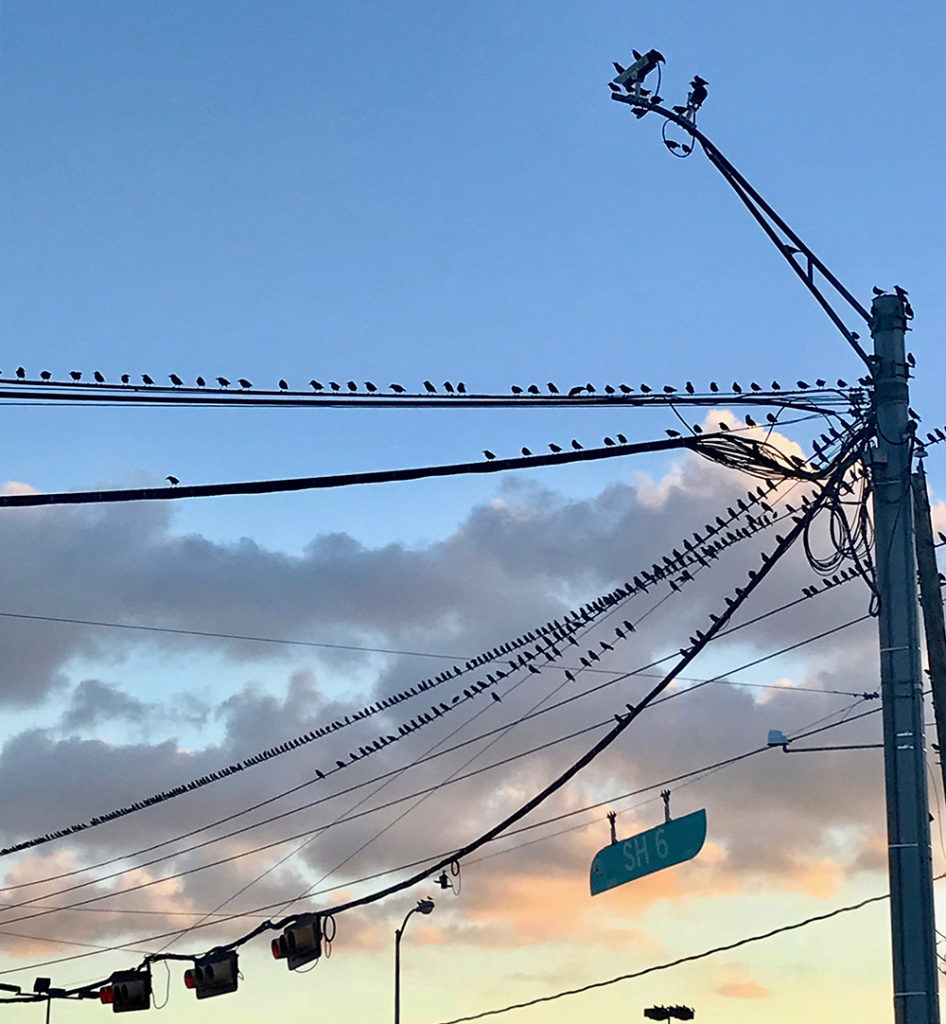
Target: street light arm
point(769, 221)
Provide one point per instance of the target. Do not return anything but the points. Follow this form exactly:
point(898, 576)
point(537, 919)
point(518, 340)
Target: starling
point(688, 387)
point(431, 390)
point(334, 385)
point(609, 442)
point(496, 698)
point(554, 447)
point(172, 480)
point(645, 389)
point(669, 389)
point(125, 378)
point(489, 455)
point(448, 387)
point(553, 390)
point(200, 382)
point(576, 445)
point(461, 388)
point(315, 385)
point(74, 374)
point(533, 389)
point(525, 451)
point(145, 379)
point(99, 379)
point(223, 382)
point(714, 387)
point(396, 388)
point(45, 375)
point(736, 387)
point(673, 433)
point(283, 385)
point(576, 390)
point(516, 390)
point(625, 389)
point(244, 383)
point(621, 439)
point(608, 390)
point(20, 372)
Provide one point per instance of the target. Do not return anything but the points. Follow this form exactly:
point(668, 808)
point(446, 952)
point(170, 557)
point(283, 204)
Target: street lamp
point(424, 907)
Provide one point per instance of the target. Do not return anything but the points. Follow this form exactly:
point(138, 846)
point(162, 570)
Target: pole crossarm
point(781, 234)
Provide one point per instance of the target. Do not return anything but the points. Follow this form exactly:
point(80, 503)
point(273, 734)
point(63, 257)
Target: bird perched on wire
point(696, 97)
point(283, 385)
point(632, 77)
point(172, 480)
point(175, 380)
point(223, 382)
point(244, 383)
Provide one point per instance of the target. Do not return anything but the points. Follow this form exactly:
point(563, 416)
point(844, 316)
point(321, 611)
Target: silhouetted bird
point(553, 390)
point(175, 380)
point(625, 389)
point(669, 389)
point(673, 433)
point(645, 389)
point(145, 379)
point(697, 94)
point(754, 386)
point(429, 387)
point(643, 65)
point(448, 387)
point(722, 426)
point(525, 451)
point(770, 417)
point(496, 698)
point(609, 442)
point(714, 387)
point(316, 385)
point(554, 447)
point(878, 291)
point(576, 390)
point(516, 390)
point(776, 386)
point(688, 387)
point(126, 378)
point(98, 377)
point(576, 445)
point(201, 382)
point(244, 383)
point(396, 388)
point(352, 386)
point(750, 422)
point(45, 375)
point(20, 372)
point(489, 455)
point(172, 480)
point(622, 439)
point(533, 389)
point(608, 390)
point(75, 374)
point(820, 382)
point(736, 387)
point(283, 385)
point(223, 382)
point(370, 387)
point(461, 388)
point(803, 385)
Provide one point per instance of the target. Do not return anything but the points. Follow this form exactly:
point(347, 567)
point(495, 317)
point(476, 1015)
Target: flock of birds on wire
point(448, 387)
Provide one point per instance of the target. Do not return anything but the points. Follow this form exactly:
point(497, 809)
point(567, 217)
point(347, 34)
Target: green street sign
point(671, 843)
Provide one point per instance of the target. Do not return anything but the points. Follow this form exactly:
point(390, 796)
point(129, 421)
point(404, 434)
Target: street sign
point(671, 843)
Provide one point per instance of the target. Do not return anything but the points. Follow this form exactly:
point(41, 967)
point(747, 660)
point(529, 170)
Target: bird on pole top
point(632, 77)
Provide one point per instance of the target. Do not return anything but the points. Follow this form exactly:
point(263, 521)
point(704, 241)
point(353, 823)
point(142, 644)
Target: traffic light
point(127, 990)
point(213, 975)
point(301, 942)
point(682, 1012)
point(657, 1013)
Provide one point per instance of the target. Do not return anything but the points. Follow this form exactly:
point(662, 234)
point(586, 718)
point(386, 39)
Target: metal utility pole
point(931, 600)
point(908, 830)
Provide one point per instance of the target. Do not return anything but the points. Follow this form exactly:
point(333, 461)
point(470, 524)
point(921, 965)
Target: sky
point(410, 192)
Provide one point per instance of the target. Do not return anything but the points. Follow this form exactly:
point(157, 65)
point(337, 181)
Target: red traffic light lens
point(189, 981)
point(277, 948)
point(106, 995)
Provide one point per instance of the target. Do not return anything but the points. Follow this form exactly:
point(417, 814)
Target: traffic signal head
point(657, 1013)
point(301, 942)
point(682, 1012)
point(127, 990)
point(213, 975)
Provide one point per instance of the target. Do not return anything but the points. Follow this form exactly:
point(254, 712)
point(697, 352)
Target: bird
point(576, 445)
point(525, 451)
point(283, 385)
point(201, 383)
point(98, 377)
point(431, 390)
point(645, 389)
point(74, 374)
point(172, 480)
point(625, 388)
point(20, 372)
point(396, 388)
point(776, 386)
point(45, 375)
point(750, 422)
point(576, 390)
point(334, 385)
point(533, 389)
point(516, 390)
point(223, 382)
point(489, 455)
point(175, 380)
point(802, 385)
point(673, 433)
point(145, 379)
point(714, 387)
point(621, 439)
point(496, 698)
point(722, 426)
point(736, 387)
point(554, 447)
point(609, 441)
point(697, 94)
point(316, 385)
point(244, 383)
point(669, 389)
point(878, 291)
point(352, 386)
point(448, 387)
point(911, 359)
point(126, 378)
point(553, 390)
point(461, 388)
point(688, 387)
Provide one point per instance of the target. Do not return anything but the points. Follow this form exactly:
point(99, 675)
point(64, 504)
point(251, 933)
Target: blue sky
point(422, 191)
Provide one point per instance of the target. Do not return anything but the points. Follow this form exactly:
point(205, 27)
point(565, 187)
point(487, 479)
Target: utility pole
point(908, 829)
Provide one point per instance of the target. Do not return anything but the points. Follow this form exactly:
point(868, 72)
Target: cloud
point(512, 563)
